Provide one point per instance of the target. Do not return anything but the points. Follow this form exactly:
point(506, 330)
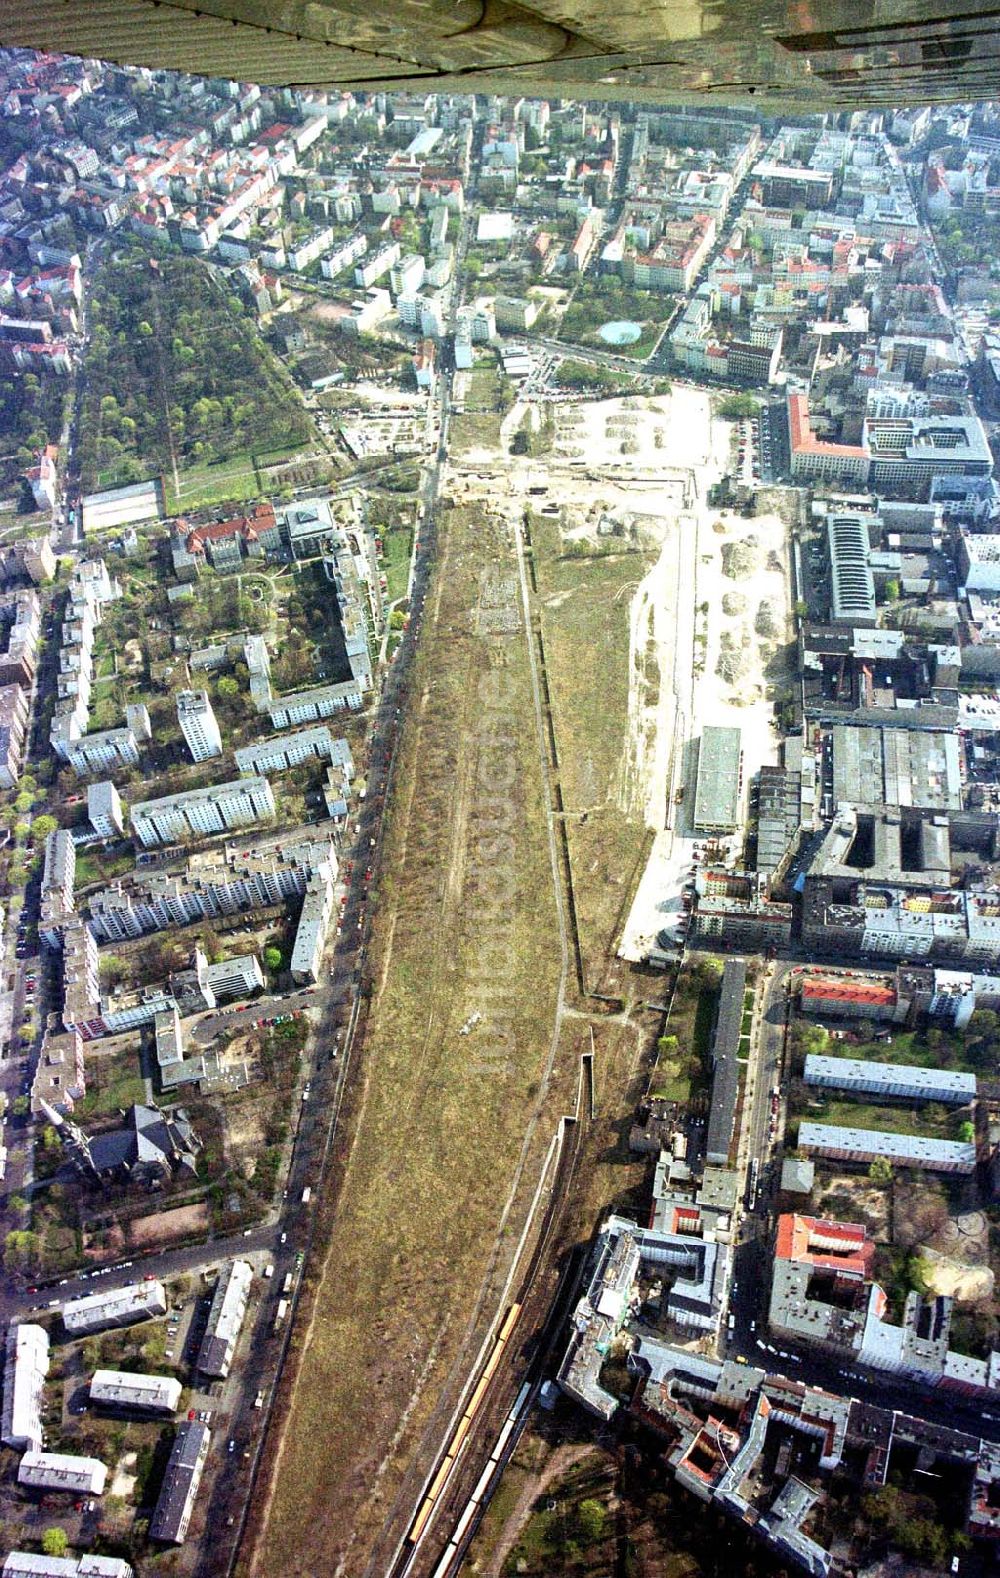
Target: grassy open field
point(478, 426)
point(465, 923)
point(584, 606)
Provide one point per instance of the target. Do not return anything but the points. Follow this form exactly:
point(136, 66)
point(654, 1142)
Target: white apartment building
point(214, 882)
point(305, 706)
point(155, 1394)
point(235, 977)
point(102, 751)
point(25, 1368)
point(199, 725)
point(288, 750)
point(117, 1307)
point(58, 876)
point(314, 922)
point(104, 810)
point(78, 1476)
point(199, 812)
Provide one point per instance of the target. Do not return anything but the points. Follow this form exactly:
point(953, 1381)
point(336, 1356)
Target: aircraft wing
point(838, 54)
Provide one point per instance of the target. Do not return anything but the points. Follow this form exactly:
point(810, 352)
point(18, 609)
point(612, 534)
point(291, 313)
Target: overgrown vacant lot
point(584, 600)
point(465, 924)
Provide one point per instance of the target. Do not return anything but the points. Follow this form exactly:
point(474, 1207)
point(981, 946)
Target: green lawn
point(910, 1047)
point(931, 1119)
point(201, 486)
point(108, 1091)
point(398, 547)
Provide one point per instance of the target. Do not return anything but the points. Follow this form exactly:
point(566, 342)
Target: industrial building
point(899, 1080)
point(225, 1319)
point(852, 585)
point(890, 767)
point(116, 1307)
point(134, 1393)
point(26, 1364)
point(900, 1150)
point(199, 812)
point(720, 780)
point(78, 1476)
point(179, 1490)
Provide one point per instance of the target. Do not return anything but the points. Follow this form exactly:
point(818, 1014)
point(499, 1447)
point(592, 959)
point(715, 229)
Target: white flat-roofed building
point(25, 1564)
point(179, 1491)
point(225, 1319)
point(235, 977)
point(900, 1150)
point(906, 1081)
point(98, 752)
point(199, 725)
point(104, 810)
point(154, 1394)
point(202, 811)
point(288, 750)
point(116, 1307)
point(58, 876)
point(258, 662)
point(221, 881)
point(79, 1476)
point(306, 706)
point(314, 922)
point(25, 1368)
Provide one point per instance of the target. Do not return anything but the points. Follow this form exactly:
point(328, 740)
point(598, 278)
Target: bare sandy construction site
point(707, 618)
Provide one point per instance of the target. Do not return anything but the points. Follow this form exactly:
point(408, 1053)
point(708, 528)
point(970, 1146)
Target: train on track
point(464, 1425)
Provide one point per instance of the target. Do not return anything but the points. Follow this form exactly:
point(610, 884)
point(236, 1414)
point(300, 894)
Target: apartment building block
point(201, 812)
point(199, 725)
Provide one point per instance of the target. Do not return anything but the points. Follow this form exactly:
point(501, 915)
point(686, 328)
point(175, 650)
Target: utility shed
point(720, 772)
point(726, 1069)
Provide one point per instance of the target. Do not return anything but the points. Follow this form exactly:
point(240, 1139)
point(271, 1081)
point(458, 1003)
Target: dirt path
point(562, 1460)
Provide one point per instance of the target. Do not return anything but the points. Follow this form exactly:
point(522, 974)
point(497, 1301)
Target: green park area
point(177, 382)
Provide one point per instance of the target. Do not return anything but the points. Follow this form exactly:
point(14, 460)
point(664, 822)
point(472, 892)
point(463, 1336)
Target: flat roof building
point(199, 725)
point(225, 1319)
point(314, 923)
point(852, 585)
point(720, 780)
point(288, 750)
point(116, 1307)
point(78, 1476)
point(144, 1394)
point(306, 706)
point(179, 1491)
point(725, 1065)
point(200, 812)
point(26, 1365)
point(25, 1564)
point(902, 1080)
point(904, 767)
point(901, 1150)
point(104, 810)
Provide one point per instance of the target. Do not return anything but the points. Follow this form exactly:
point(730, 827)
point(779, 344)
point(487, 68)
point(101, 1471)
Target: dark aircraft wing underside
point(838, 54)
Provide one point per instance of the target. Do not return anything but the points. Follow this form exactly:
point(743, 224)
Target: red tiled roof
point(804, 441)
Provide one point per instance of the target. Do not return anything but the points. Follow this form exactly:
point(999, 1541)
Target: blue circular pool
point(620, 333)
